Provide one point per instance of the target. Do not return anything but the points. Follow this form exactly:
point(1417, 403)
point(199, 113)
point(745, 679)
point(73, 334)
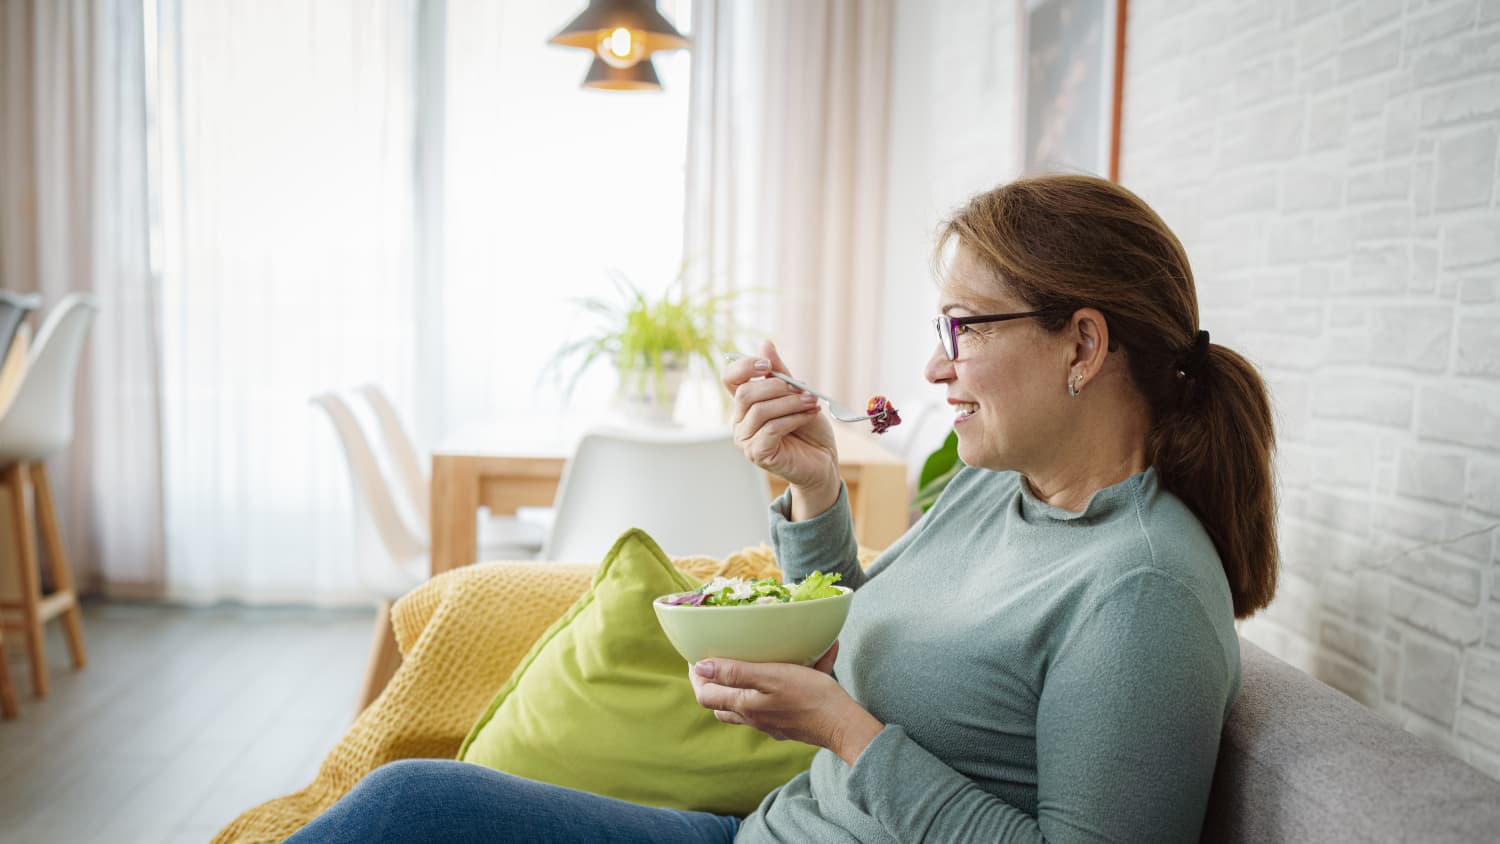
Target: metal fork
point(838, 411)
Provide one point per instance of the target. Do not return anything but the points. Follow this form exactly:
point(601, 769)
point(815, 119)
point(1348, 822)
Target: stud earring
point(1073, 386)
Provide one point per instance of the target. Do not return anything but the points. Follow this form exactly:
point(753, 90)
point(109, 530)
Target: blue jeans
point(429, 800)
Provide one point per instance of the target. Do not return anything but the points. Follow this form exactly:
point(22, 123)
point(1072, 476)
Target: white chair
point(516, 537)
point(14, 367)
point(391, 533)
point(37, 424)
point(401, 563)
point(398, 445)
point(694, 493)
point(15, 338)
point(15, 341)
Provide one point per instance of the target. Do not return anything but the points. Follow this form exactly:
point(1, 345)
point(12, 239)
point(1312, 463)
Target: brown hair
point(1064, 242)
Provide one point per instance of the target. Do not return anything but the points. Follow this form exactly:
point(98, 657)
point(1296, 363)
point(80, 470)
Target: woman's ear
point(1090, 334)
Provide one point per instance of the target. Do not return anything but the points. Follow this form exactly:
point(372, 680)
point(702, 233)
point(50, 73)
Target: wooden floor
point(183, 719)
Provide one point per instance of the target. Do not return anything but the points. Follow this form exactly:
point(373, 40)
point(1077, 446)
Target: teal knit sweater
point(1043, 675)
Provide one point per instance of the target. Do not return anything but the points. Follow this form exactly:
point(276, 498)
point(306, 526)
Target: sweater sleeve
point(1127, 736)
point(823, 543)
point(826, 542)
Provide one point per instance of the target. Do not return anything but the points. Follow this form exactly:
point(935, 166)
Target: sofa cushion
point(1302, 762)
point(602, 703)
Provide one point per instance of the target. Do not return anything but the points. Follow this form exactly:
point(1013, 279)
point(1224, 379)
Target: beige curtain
point(787, 172)
point(73, 216)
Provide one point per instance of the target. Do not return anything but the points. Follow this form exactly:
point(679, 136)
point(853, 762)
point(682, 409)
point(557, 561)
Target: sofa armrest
point(1300, 761)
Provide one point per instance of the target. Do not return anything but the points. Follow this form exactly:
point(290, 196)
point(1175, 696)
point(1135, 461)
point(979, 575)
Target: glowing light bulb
point(620, 47)
point(619, 43)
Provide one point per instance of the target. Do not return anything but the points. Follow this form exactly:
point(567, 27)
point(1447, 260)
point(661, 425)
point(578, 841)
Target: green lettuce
point(816, 585)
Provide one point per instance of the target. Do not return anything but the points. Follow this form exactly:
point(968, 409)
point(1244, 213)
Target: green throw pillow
point(602, 703)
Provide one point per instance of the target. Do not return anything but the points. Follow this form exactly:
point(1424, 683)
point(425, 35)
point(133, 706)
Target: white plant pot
point(647, 401)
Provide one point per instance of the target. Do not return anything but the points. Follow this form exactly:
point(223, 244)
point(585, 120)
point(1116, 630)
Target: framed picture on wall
point(1073, 61)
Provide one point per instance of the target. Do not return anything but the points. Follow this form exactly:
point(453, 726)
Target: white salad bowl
point(797, 632)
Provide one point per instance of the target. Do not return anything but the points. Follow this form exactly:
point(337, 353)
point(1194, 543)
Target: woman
point(1049, 654)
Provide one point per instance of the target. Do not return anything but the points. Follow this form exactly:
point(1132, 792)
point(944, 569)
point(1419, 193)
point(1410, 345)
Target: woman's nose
point(939, 368)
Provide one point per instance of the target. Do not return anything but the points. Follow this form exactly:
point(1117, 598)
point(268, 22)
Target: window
point(301, 246)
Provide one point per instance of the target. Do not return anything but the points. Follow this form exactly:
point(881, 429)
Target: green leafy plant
point(647, 337)
point(940, 467)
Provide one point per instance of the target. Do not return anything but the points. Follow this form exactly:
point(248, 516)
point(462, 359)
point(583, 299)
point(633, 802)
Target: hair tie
point(1191, 364)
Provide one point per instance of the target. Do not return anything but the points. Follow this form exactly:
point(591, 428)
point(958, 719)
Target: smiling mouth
point(962, 410)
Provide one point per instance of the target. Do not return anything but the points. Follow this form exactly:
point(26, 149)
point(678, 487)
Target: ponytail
point(1213, 451)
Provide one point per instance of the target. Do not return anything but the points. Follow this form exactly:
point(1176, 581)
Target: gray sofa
point(1301, 762)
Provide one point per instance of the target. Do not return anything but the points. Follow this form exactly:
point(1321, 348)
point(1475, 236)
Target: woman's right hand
point(783, 430)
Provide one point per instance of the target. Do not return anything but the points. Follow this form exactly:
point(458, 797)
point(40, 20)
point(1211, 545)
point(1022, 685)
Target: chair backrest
point(13, 310)
point(14, 367)
point(39, 420)
point(694, 493)
point(402, 451)
point(405, 546)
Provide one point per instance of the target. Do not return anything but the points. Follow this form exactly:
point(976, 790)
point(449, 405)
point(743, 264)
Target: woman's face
point(1010, 379)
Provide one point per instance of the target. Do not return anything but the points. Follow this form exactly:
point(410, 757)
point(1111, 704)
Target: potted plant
point(651, 342)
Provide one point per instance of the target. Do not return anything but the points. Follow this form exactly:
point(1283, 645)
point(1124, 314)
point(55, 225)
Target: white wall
point(1331, 166)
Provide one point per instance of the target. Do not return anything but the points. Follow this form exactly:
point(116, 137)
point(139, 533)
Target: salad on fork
point(879, 411)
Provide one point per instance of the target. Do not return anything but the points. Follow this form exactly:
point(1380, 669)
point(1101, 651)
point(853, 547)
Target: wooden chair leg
point(8, 707)
point(65, 595)
point(385, 658)
point(31, 589)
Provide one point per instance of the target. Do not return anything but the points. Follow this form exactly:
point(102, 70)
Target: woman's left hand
point(786, 702)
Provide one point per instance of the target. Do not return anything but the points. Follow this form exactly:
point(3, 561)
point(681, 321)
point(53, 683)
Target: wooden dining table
point(506, 466)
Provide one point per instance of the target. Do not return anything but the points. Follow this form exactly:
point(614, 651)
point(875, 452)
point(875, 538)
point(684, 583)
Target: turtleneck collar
point(1102, 504)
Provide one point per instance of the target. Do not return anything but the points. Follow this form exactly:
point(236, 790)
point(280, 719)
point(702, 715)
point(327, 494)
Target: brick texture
point(1334, 170)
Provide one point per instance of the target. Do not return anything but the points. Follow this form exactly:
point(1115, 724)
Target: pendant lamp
point(640, 76)
point(622, 34)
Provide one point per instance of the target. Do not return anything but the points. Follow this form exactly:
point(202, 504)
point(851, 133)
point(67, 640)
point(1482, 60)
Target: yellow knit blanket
point(461, 635)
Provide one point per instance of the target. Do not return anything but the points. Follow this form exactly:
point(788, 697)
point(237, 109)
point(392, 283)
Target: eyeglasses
point(947, 327)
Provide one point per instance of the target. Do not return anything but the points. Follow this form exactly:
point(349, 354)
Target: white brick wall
point(1332, 168)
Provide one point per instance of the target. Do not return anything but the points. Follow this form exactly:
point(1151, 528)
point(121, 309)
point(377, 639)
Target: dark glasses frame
point(947, 327)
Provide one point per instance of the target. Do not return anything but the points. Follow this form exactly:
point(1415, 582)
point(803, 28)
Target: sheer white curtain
point(410, 193)
point(73, 216)
point(287, 265)
point(787, 168)
point(287, 246)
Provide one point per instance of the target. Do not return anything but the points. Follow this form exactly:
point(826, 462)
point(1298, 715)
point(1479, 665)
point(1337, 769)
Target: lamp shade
point(639, 16)
point(640, 76)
